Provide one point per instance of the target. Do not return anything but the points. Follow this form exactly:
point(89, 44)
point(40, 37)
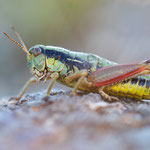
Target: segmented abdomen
point(136, 88)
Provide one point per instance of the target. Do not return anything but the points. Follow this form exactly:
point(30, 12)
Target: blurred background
point(118, 30)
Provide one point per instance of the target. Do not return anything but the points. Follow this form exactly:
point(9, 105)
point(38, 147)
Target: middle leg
point(54, 77)
point(81, 80)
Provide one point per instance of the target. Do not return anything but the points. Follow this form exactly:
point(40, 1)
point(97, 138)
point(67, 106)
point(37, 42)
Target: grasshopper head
point(36, 60)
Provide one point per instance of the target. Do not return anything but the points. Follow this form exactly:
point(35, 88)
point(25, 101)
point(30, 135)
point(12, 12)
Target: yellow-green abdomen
point(136, 88)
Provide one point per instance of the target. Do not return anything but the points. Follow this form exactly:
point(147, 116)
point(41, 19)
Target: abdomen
point(136, 88)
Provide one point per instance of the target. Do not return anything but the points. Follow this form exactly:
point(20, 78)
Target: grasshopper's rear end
point(135, 88)
point(126, 81)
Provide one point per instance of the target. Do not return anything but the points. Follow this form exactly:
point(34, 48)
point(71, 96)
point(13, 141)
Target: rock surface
point(65, 122)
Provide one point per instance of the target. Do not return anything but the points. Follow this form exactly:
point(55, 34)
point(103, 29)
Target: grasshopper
point(86, 72)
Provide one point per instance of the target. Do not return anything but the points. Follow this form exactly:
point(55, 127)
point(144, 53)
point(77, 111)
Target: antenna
point(22, 47)
point(19, 37)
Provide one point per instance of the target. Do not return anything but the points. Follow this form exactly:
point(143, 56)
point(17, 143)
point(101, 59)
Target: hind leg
point(106, 97)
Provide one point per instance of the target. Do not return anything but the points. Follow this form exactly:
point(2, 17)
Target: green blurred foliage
point(47, 20)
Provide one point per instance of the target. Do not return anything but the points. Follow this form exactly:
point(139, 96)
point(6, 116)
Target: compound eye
point(36, 51)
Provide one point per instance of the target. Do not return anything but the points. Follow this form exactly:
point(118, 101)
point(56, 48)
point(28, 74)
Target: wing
point(112, 74)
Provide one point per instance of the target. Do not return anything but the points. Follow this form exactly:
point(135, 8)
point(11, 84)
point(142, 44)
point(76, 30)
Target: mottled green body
point(65, 62)
point(55, 59)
